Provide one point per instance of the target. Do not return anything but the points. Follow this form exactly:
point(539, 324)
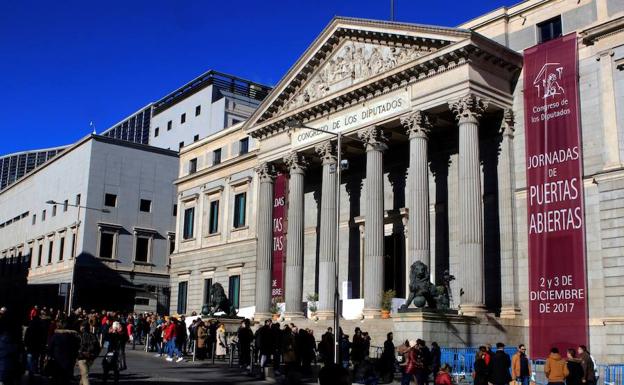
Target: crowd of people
point(52, 343)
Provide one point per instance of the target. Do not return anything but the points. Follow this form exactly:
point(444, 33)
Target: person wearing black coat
point(499, 366)
point(436, 357)
point(480, 372)
point(575, 368)
point(245, 336)
point(62, 354)
point(388, 358)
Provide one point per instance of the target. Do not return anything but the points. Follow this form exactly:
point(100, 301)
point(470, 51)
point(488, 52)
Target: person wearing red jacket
point(443, 377)
point(170, 336)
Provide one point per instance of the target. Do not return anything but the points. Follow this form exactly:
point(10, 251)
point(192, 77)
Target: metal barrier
point(611, 374)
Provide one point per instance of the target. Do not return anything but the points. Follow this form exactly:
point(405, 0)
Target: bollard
point(147, 340)
point(214, 351)
point(231, 358)
point(194, 349)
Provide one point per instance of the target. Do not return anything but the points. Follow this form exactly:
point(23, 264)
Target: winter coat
point(9, 355)
point(555, 368)
point(443, 378)
point(575, 369)
point(588, 367)
point(63, 349)
point(499, 368)
point(89, 346)
point(221, 349)
point(480, 374)
point(202, 335)
point(414, 362)
point(516, 365)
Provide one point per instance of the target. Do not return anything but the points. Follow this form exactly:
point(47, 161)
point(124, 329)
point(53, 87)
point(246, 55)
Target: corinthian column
point(375, 144)
point(294, 248)
point(266, 177)
point(327, 249)
point(467, 111)
point(506, 215)
point(418, 128)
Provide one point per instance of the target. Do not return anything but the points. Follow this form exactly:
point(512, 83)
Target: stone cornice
point(597, 32)
point(477, 48)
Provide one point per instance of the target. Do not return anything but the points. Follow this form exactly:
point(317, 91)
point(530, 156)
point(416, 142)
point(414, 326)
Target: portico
point(430, 108)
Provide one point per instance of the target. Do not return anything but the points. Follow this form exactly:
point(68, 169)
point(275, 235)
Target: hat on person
point(116, 325)
point(412, 343)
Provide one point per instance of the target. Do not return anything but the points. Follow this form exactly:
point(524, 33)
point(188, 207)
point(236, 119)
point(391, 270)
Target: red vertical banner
point(280, 197)
point(556, 229)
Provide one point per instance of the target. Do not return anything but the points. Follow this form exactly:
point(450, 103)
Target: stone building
point(434, 138)
point(216, 222)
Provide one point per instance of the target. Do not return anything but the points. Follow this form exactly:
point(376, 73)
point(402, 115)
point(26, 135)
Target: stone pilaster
point(507, 219)
point(266, 178)
point(375, 144)
point(610, 134)
point(327, 248)
point(418, 127)
point(468, 110)
point(294, 248)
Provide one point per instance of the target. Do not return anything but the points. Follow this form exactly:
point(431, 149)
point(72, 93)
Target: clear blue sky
point(66, 63)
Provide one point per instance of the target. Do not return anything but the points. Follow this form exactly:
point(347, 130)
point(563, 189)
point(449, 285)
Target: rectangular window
point(196, 138)
point(141, 301)
point(182, 291)
point(50, 249)
point(40, 254)
point(156, 132)
point(53, 210)
point(181, 144)
point(171, 244)
point(175, 210)
point(216, 156)
point(141, 252)
point(61, 248)
point(77, 199)
point(43, 215)
point(243, 146)
point(34, 219)
point(73, 246)
point(193, 166)
point(65, 205)
point(110, 200)
point(207, 286)
point(107, 241)
point(549, 29)
point(197, 110)
point(234, 290)
point(183, 118)
point(239, 210)
point(169, 123)
point(213, 226)
point(189, 222)
point(145, 205)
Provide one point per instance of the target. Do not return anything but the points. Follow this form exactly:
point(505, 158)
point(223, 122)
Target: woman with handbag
point(410, 364)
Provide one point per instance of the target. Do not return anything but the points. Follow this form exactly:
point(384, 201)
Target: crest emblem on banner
point(547, 81)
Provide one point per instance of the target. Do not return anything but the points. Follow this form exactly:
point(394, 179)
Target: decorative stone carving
point(266, 172)
point(469, 108)
point(374, 138)
point(327, 151)
point(507, 125)
point(296, 162)
point(417, 124)
point(351, 63)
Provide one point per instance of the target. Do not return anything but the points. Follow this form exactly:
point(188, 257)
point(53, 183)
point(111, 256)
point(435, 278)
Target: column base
point(510, 312)
point(371, 313)
point(324, 315)
point(261, 317)
point(472, 310)
point(293, 315)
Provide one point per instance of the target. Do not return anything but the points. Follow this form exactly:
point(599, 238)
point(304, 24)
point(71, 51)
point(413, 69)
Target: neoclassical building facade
point(433, 170)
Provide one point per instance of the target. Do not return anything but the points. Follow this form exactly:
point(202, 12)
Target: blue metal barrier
point(611, 374)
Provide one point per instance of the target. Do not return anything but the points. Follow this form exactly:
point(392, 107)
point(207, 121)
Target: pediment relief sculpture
point(351, 63)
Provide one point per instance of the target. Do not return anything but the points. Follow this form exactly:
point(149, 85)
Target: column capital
point(327, 151)
point(373, 138)
point(469, 108)
point(507, 125)
point(297, 163)
point(266, 172)
point(417, 124)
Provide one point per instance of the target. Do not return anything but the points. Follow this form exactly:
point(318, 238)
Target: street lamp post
point(70, 301)
point(297, 124)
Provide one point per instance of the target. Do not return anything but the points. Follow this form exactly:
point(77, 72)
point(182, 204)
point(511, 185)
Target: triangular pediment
point(349, 52)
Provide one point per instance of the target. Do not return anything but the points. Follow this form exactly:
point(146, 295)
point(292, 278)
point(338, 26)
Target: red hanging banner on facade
point(556, 234)
point(280, 195)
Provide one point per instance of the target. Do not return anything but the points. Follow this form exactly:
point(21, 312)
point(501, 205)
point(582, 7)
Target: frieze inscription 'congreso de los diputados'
point(433, 120)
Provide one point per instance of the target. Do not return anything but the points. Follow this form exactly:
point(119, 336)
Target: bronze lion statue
point(421, 291)
point(218, 302)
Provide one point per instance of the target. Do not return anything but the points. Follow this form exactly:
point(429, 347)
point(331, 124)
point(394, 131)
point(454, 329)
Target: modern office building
point(202, 107)
point(440, 131)
point(216, 222)
point(14, 166)
point(101, 215)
